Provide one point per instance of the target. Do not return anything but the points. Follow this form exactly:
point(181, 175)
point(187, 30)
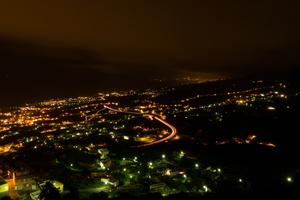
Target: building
point(111, 181)
point(35, 195)
point(105, 163)
point(104, 152)
point(158, 186)
point(23, 180)
point(3, 187)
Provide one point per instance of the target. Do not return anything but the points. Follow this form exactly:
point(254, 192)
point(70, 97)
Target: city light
point(183, 163)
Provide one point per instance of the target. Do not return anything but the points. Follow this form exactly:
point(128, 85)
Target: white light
point(205, 188)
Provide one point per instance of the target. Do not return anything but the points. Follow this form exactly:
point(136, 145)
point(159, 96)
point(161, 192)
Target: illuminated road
point(173, 133)
point(92, 116)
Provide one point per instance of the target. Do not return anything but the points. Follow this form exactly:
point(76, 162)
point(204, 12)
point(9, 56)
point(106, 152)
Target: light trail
point(173, 133)
point(93, 115)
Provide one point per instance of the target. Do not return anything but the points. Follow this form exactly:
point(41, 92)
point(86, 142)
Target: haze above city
point(72, 48)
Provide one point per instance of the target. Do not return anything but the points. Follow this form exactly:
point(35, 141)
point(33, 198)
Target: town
point(201, 138)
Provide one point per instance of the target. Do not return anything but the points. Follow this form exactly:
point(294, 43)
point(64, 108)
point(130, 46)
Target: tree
point(6, 198)
point(49, 192)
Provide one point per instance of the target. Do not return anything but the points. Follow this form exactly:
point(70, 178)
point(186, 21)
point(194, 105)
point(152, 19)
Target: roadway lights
point(289, 179)
point(124, 169)
point(219, 170)
point(163, 156)
point(196, 165)
point(240, 180)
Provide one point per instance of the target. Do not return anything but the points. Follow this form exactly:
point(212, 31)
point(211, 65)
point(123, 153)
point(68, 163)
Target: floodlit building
point(3, 187)
point(104, 152)
point(58, 185)
point(111, 181)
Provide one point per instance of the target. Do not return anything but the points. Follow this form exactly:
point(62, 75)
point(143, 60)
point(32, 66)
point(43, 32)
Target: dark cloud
point(110, 44)
point(30, 73)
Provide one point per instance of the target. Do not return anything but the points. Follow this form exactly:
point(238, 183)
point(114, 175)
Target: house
point(105, 163)
point(23, 180)
point(98, 174)
point(56, 184)
point(111, 181)
point(3, 187)
point(104, 152)
point(158, 186)
point(35, 195)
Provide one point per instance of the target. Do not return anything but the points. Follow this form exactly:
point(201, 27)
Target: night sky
point(52, 49)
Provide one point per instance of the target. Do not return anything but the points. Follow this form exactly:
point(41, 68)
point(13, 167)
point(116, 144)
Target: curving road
point(92, 116)
point(173, 133)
